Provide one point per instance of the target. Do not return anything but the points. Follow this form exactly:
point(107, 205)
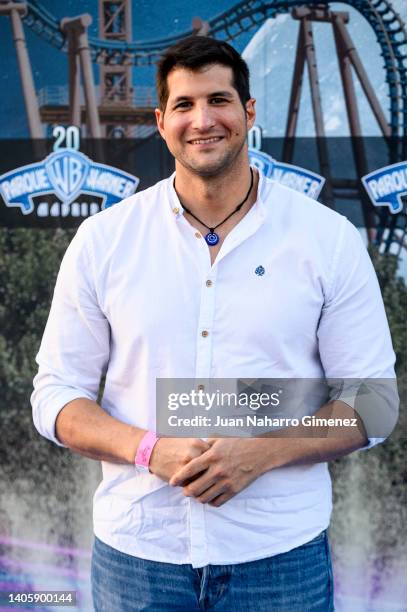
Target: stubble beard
point(214, 168)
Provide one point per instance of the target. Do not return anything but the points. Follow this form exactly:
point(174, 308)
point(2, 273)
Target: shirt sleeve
point(74, 351)
point(354, 338)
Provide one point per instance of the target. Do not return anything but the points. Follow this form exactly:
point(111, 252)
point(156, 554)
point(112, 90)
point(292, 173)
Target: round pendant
point(212, 238)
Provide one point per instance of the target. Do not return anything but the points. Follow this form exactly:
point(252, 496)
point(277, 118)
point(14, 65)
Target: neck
point(215, 195)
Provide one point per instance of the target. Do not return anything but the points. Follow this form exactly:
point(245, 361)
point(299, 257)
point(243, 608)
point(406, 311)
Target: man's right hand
point(170, 454)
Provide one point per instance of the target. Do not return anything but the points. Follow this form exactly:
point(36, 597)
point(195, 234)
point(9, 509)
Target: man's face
point(204, 123)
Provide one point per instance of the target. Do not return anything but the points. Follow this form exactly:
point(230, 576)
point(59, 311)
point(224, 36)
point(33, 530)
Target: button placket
point(245, 228)
point(205, 325)
point(199, 555)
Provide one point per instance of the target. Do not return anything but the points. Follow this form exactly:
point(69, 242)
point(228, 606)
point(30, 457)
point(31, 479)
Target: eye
point(218, 100)
point(182, 105)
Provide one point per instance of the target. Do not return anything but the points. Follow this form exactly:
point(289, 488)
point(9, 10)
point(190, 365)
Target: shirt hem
point(187, 561)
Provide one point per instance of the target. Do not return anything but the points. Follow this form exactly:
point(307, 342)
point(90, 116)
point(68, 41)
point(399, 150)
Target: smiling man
point(214, 272)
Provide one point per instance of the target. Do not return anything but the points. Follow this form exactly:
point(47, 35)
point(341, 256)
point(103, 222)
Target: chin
point(209, 168)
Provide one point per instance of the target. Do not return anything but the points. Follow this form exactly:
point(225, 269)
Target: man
point(214, 272)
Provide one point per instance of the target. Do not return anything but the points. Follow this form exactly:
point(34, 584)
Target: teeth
point(205, 140)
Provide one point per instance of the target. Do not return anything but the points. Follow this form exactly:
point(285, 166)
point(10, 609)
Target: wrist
point(274, 453)
point(131, 439)
point(145, 450)
point(154, 455)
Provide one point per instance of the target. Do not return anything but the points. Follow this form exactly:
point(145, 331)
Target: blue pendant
point(212, 238)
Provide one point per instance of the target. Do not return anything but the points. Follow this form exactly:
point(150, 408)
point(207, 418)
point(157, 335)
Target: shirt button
point(198, 235)
point(205, 333)
point(201, 387)
point(175, 211)
point(209, 283)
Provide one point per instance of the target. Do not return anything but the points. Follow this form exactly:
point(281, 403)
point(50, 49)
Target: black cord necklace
point(212, 237)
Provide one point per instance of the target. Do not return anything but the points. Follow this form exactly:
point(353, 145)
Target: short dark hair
point(195, 52)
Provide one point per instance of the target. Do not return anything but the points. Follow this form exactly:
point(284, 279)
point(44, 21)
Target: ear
point(159, 115)
point(250, 113)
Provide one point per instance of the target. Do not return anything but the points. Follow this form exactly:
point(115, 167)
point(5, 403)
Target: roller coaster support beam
point(306, 53)
point(344, 47)
point(311, 58)
point(295, 98)
point(77, 29)
point(74, 82)
point(14, 10)
point(349, 56)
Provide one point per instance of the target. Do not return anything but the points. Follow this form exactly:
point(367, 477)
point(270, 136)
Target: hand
point(218, 474)
point(171, 454)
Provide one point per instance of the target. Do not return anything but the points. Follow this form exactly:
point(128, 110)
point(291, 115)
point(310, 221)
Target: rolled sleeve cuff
point(45, 416)
point(371, 442)
point(376, 403)
point(349, 398)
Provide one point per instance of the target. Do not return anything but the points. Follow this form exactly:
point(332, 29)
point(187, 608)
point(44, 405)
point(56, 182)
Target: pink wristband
point(145, 448)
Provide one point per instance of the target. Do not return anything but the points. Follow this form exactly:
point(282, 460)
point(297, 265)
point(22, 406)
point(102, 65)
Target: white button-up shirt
point(132, 299)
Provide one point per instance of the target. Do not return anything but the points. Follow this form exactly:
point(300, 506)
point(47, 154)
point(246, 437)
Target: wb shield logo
point(67, 171)
point(263, 162)
point(65, 174)
point(297, 178)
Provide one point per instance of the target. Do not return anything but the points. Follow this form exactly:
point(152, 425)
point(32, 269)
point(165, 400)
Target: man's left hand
point(229, 466)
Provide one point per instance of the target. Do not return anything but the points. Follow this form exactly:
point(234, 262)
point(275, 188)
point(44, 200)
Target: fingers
point(185, 450)
point(219, 501)
point(189, 480)
point(209, 489)
point(199, 464)
point(212, 494)
point(201, 444)
point(195, 449)
point(211, 441)
point(201, 485)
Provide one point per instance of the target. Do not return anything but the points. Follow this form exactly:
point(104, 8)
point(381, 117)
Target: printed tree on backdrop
point(394, 291)
point(29, 262)
point(369, 487)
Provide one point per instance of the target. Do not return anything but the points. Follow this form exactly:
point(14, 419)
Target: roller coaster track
point(389, 28)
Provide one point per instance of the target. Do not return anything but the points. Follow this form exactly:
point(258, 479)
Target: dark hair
point(194, 53)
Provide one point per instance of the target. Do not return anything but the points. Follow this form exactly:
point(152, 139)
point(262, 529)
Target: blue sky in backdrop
point(269, 51)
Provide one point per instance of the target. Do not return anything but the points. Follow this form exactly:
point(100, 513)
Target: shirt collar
point(259, 205)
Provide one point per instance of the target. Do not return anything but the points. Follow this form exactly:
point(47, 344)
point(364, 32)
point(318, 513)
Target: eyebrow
point(215, 94)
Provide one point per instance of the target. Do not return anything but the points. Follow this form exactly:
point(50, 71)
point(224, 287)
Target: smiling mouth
point(201, 141)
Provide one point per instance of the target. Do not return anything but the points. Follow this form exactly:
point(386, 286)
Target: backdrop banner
point(44, 187)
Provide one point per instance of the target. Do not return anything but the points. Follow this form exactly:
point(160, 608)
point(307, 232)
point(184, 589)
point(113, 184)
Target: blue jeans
point(296, 581)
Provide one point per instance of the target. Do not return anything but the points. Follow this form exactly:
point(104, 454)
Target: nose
point(203, 117)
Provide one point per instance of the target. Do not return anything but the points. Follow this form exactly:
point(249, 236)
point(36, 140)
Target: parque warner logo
point(386, 186)
point(66, 174)
point(297, 178)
